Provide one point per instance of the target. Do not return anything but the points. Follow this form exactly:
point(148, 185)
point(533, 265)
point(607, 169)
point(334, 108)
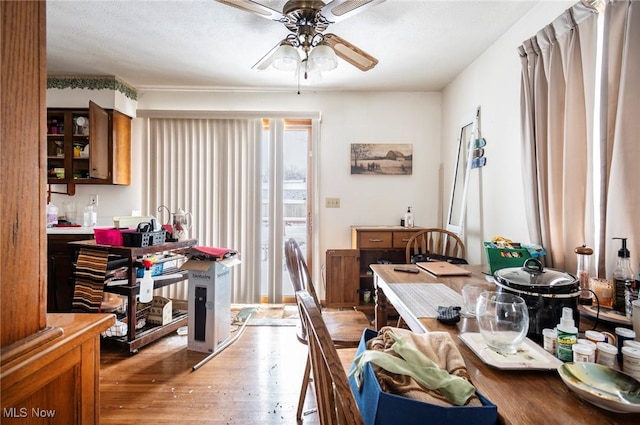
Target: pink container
point(111, 237)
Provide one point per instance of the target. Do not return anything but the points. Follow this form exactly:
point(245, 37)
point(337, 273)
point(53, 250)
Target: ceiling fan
point(308, 20)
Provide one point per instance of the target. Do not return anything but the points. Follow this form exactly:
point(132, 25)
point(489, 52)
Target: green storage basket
point(501, 258)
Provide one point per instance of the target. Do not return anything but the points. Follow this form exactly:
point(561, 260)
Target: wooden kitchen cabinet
point(343, 278)
point(60, 259)
point(88, 146)
point(348, 275)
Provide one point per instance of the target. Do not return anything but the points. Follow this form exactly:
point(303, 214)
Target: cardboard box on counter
point(125, 222)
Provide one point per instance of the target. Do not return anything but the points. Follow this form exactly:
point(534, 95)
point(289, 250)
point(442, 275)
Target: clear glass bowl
point(503, 320)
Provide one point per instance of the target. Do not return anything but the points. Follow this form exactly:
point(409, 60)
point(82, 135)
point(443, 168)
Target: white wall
point(346, 117)
point(349, 118)
point(495, 203)
point(79, 98)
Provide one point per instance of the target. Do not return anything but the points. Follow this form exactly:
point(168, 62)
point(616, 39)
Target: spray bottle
point(408, 218)
point(146, 284)
point(623, 281)
point(567, 335)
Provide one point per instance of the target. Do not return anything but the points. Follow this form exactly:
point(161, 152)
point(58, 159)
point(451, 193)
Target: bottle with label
point(408, 218)
point(146, 284)
point(52, 215)
point(623, 281)
point(567, 335)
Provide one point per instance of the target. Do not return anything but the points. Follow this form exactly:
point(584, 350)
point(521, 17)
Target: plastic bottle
point(52, 214)
point(408, 218)
point(146, 284)
point(623, 281)
point(89, 216)
point(567, 335)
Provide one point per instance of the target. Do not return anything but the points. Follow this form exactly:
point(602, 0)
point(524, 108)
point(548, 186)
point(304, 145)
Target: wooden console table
point(348, 273)
point(134, 338)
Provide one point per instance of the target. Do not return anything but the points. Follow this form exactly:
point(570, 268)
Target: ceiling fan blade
point(267, 59)
point(338, 10)
point(256, 8)
point(347, 51)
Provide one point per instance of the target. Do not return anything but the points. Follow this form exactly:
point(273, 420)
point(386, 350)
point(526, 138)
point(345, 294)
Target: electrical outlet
point(93, 199)
point(332, 202)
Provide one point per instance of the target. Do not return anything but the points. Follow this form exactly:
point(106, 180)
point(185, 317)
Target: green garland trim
point(92, 83)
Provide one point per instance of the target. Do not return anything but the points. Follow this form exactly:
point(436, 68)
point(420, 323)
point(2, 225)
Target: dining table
point(523, 395)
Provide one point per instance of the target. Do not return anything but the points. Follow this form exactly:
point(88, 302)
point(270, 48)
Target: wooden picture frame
point(382, 158)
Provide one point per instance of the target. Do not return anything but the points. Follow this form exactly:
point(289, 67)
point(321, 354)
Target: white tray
point(529, 356)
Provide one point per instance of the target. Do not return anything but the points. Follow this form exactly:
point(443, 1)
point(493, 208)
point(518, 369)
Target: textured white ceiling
point(421, 45)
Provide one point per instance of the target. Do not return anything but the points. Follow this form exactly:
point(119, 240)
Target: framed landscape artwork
point(381, 158)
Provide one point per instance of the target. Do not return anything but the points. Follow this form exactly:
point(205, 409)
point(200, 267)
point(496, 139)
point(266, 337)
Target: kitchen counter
point(103, 222)
point(74, 230)
point(70, 230)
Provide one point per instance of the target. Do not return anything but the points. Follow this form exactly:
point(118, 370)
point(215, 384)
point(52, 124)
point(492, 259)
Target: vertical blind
point(211, 168)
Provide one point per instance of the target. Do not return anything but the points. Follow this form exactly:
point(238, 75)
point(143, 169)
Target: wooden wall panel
point(22, 174)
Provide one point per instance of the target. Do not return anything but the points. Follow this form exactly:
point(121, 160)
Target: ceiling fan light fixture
point(323, 58)
point(286, 58)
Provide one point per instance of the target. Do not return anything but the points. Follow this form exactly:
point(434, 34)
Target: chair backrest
point(298, 270)
point(435, 241)
point(336, 404)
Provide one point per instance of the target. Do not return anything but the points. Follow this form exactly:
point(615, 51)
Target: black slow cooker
point(545, 291)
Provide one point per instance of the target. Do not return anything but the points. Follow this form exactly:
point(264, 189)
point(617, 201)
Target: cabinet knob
point(375, 240)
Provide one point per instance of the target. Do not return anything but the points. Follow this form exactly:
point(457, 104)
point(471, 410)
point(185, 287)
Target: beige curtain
point(211, 168)
point(557, 98)
point(620, 132)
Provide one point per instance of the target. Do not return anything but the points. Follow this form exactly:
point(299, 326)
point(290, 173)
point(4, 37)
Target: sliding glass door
point(246, 182)
point(286, 201)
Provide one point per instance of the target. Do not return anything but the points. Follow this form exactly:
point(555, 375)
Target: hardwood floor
point(256, 380)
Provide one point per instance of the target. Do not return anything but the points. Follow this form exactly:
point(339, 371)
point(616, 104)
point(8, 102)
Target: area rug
point(265, 314)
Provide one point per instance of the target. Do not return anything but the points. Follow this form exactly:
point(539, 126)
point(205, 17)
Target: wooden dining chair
point(435, 241)
point(336, 403)
point(345, 327)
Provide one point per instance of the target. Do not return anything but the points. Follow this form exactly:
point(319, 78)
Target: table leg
point(381, 308)
point(132, 303)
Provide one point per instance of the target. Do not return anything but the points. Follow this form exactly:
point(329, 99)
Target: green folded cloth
point(414, 363)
